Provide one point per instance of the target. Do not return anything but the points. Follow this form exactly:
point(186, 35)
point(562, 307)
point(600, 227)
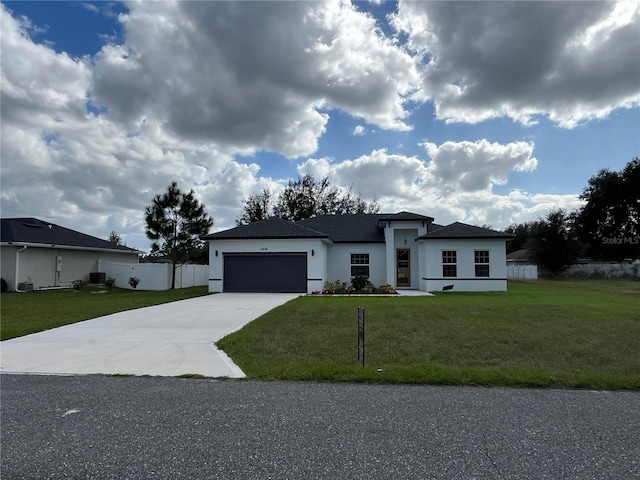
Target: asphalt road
point(138, 428)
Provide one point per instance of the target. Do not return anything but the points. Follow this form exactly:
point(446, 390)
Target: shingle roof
point(462, 230)
point(348, 228)
point(270, 228)
point(522, 254)
point(32, 230)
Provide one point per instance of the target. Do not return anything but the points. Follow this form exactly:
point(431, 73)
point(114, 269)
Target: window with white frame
point(449, 263)
point(481, 258)
point(360, 264)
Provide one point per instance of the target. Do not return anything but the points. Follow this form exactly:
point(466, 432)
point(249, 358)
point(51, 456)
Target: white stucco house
point(37, 254)
point(404, 249)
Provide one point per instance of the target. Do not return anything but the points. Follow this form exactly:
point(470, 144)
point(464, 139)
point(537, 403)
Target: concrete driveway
point(168, 340)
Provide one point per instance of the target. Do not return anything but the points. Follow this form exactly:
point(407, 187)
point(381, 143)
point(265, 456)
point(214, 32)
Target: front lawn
point(583, 334)
point(24, 313)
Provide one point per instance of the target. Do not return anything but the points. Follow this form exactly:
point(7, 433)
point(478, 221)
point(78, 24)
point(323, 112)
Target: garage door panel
point(265, 273)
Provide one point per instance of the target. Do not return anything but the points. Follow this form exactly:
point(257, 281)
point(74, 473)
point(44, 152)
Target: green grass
point(583, 334)
point(24, 313)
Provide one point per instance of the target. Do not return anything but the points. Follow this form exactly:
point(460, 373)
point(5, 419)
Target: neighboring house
point(37, 254)
point(520, 265)
point(524, 256)
point(405, 250)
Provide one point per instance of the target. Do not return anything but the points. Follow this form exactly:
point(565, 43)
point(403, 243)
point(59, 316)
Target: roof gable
point(273, 227)
point(406, 216)
point(32, 230)
point(463, 230)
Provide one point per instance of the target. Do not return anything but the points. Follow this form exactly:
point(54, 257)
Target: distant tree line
point(304, 198)
point(606, 227)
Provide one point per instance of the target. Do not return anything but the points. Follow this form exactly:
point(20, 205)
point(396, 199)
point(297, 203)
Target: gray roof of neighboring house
point(462, 230)
point(522, 254)
point(270, 228)
point(32, 230)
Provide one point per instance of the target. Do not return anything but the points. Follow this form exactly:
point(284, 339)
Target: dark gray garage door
point(271, 272)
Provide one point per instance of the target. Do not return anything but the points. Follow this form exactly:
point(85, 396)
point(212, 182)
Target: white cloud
point(378, 174)
point(455, 168)
point(456, 185)
point(359, 130)
point(568, 60)
point(90, 6)
point(85, 171)
point(225, 72)
point(196, 83)
point(472, 166)
point(29, 96)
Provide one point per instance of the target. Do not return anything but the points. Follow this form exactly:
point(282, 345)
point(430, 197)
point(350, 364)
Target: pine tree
point(115, 238)
point(175, 221)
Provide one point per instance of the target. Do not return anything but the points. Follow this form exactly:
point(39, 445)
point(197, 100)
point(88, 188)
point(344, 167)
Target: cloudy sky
point(481, 112)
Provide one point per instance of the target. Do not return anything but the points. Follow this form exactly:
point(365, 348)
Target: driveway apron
point(168, 340)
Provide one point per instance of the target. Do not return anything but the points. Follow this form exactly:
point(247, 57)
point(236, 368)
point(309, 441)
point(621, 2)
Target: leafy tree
point(552, 241)
point(199, 254)
point(110, 282)
point(134, 282)
point(256, 208)
point(300, 198)
point(609, 221)
point(175, 221)
point(304, 198)
point(523, 233)
point(115, 238)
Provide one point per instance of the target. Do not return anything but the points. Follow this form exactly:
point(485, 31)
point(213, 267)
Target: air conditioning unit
point(25, 286)
point(97, 277)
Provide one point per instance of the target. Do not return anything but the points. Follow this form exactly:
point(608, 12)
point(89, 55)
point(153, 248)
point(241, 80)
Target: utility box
point(97, 277)
point(58, 264)
point(25, 286)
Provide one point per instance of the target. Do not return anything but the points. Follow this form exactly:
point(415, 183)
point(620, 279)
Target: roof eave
point(359, 241)
point(462, 237)
point(68, 247)
point(277, 237)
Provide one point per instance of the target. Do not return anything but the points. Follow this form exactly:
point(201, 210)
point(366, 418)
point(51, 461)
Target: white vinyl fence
point(522, 272)
point(603, 270)
point(155, 276)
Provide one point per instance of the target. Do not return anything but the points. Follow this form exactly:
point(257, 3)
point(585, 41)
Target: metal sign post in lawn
point(361, 334)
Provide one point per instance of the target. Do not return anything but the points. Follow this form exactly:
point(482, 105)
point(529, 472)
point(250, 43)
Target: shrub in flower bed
point(342, 288)
point(386, 288)
point(360, 282)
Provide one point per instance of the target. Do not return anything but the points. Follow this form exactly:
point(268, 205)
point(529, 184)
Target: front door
point(403, 267)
